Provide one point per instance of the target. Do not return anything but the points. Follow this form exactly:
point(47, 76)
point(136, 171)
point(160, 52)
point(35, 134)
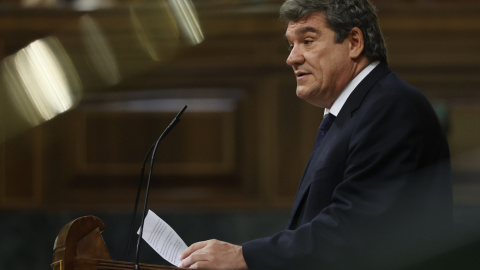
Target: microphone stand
point(152, 150)
point(132, 223)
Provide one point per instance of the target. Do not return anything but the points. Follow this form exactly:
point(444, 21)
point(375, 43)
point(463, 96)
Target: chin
point(301, 94)
point(310, 100)
point(304, 95)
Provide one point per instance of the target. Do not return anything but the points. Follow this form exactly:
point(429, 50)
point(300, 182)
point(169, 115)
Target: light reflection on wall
point(158, 35)
point(99, 50)
point(50, 76)
point(186, 14)
point(41, 81)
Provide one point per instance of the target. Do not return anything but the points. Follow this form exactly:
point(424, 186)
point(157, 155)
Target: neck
point(360, 65)
point(356, 67)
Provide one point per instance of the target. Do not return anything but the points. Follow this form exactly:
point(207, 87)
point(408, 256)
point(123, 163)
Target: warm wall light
point(49, 76)
point(89, 5)
point(41, 81)
point(187, 19)
point(82, 5)
point(38, 3)
point(99, 50)
point(155, 29)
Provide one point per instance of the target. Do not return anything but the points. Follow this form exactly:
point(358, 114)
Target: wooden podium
point(80, 246)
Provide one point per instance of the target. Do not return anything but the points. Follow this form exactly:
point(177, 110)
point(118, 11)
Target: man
point(376, 192)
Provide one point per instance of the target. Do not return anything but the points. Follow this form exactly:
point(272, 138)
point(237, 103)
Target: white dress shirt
point(342, 98)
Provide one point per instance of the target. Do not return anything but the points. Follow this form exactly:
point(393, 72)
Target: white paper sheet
point(162, 238)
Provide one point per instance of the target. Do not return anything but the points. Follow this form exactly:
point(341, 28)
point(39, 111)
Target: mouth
point(301, 74)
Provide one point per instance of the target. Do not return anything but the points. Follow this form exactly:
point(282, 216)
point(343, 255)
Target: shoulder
point(394, 110)
point(391, 94)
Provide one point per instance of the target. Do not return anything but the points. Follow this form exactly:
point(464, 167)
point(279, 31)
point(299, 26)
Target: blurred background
point(87, 86)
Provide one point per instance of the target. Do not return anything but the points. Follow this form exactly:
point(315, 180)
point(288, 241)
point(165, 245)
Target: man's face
point(322, 67)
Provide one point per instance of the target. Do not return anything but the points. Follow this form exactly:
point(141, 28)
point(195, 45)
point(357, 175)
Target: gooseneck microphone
point(152, 150)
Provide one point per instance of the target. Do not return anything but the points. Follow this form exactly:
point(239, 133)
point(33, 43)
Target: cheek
point(326, 69)
point(319, 74)
point(320, 66)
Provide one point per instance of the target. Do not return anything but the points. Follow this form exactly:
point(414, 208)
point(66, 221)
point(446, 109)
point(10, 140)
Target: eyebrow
point(307, 29)
point(304, 30)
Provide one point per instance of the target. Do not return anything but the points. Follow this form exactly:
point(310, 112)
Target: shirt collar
point(342, 98)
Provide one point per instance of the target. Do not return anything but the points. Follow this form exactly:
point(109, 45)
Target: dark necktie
point(322, 131)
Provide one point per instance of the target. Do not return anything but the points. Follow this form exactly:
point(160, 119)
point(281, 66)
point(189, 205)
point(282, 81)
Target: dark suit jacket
point(376, 194)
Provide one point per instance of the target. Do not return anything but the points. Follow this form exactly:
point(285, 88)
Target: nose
point(295, 57)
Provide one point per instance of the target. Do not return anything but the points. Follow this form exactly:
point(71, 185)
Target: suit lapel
point(309, 174)
point(356, 97)
point(316, 159)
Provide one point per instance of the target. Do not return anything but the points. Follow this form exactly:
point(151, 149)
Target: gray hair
point(342, 16)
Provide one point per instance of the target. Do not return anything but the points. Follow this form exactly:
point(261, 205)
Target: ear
point(356, 42)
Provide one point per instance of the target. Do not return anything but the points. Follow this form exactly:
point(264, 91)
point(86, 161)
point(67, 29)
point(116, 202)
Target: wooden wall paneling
point(434, 47)
point(203, 157)
point(269, 149)
point(19, 27)
point(298, 126)
point(21, 169)
point(466, 116)
point(3, 179)
point(250, 157)
point(248, 144)
point(2, 173)
point(465, 150)
point(60, 154)
point(2, 139)
point(117, 142)
point(289, 131)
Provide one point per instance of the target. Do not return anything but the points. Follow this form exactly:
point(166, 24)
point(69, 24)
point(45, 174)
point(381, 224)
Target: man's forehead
point(310, 23)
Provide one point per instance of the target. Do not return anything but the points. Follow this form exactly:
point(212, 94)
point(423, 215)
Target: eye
point(307, 41)
point(289, 47)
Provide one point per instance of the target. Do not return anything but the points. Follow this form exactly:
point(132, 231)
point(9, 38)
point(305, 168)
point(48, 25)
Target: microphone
point(152, 150)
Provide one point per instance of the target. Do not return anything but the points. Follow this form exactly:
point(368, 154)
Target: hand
point(213, 254)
